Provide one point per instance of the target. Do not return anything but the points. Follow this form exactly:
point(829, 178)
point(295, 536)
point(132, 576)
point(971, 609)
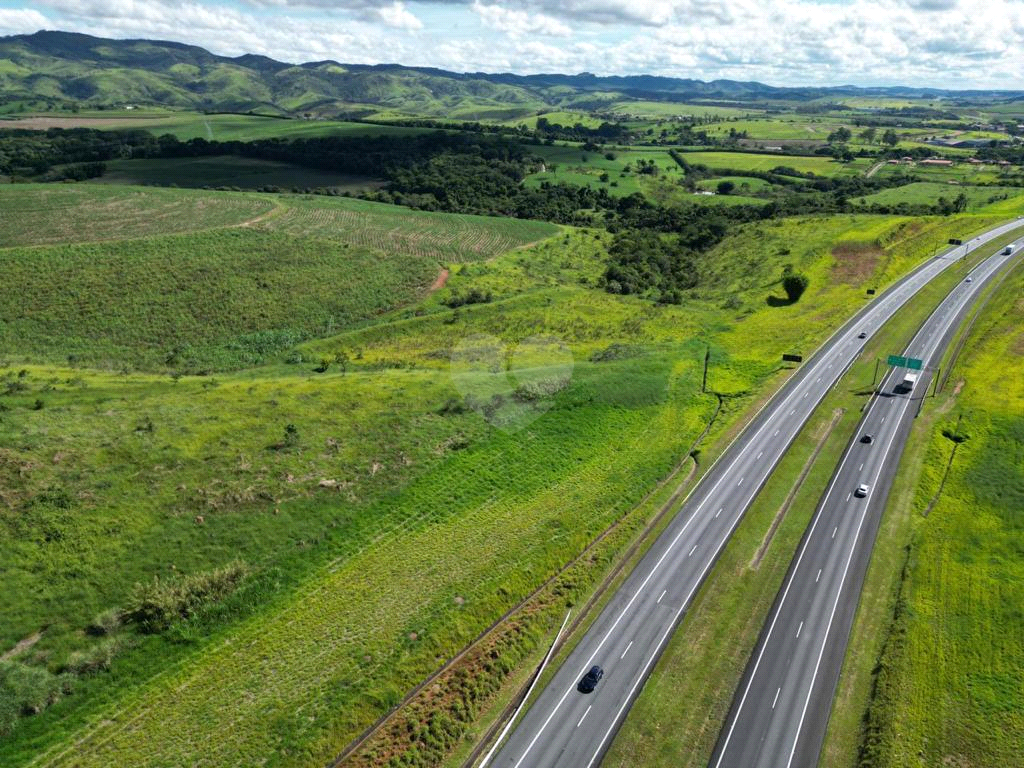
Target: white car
point(862, 490)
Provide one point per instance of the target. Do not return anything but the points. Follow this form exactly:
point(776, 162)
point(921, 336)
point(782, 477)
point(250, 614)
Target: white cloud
point(17, 21)
point(396, 17)
point(785, 42)
point(519, 22)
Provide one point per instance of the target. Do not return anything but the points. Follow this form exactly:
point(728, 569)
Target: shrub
point(105, 623)
point(155, 606)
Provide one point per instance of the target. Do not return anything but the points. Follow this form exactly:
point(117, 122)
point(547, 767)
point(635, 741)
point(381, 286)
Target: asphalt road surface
point(781, 710)
point(565, 727)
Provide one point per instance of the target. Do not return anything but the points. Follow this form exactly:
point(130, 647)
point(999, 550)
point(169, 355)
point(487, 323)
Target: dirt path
point(441, 280)
point(21, 646)
point(873, 171)
point(278, 208)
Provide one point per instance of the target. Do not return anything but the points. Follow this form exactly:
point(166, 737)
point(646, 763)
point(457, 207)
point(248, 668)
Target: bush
point(155, 606)
point(96, 659)
point(28, 690)
point(105, 623)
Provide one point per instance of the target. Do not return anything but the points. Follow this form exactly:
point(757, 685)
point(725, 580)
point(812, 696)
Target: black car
point(868, 439)
point(591, 679)
point(862, 335)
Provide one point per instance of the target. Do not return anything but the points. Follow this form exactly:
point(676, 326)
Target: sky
point(960, 44)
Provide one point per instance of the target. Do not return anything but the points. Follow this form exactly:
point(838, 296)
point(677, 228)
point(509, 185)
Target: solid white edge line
point(875, 307)
point(860, 524)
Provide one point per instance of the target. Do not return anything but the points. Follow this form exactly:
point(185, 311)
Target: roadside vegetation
point(247, 501)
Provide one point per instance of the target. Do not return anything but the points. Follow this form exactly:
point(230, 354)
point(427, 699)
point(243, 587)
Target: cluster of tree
point(605, 132)
point(651, 264)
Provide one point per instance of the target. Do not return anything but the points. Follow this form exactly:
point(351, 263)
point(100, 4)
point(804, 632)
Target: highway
point(564, 727)
point(779, 716)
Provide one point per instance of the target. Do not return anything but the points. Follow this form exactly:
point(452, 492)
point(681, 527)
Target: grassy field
point(228, 298)
point(216, 127)
point(229, 171)
point(739, 161)
point(47, 214)
point(947, 583)
point(665, 109)
point(928, 193)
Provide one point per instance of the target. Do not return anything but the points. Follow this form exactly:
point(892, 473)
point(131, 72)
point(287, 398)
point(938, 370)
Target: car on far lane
point(862, 335)
point(862, 491)
point(868, 438)
point(591, 679)
point(969, 280)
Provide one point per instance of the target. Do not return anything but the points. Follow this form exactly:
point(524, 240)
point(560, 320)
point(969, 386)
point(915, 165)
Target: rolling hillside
point(49, 70)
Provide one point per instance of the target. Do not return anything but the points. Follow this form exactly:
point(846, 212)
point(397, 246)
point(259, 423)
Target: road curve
point(567, 728)
point(780, 713)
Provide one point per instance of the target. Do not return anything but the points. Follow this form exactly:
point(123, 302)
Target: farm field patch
point(45, 214)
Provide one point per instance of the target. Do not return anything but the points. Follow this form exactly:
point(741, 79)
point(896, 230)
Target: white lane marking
point(692, 551)
point(806, 394)
point(627, 650)
point(760, 454)
point(661, 596)
point(719, 512)
point(861, 469)
point(848, 496)
point(883, 419)
point(584, 716)
point(834, 531)
point(835, 606)
point(792, 412)
point(799, 628)
point(936, 267)
point(818, 576)
point(776, 699)
point(740, 482)
point(776, 432)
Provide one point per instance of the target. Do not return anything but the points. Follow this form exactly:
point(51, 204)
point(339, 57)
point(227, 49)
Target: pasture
point(740, 161)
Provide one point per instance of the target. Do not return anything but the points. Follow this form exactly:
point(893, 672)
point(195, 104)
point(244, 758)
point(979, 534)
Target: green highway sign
point(905, 362)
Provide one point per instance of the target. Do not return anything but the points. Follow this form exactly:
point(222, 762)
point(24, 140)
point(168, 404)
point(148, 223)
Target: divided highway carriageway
point(780, 714)
point(565, 727)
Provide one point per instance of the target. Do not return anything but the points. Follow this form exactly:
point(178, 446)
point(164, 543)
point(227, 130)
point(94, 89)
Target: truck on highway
point(909, 380)
point(1010, 248)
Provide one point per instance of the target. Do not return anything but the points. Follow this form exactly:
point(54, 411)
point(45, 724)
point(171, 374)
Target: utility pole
point(874, 376)
point(707, 356)
point(935, 387)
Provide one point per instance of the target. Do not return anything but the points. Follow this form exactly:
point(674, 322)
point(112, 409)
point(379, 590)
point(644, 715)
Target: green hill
point(55, 70)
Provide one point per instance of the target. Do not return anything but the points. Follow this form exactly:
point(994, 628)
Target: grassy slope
point(45, 214)
point(230, 297)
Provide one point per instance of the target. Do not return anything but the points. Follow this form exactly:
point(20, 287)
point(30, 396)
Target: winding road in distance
point(781, 710)
point(564, 727)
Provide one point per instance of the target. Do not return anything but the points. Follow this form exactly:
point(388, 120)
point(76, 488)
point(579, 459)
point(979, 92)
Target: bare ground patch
point(439, 283)
point(855, 262)
point(43, 123)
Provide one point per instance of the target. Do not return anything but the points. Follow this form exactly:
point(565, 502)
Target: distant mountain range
point(55, 69)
